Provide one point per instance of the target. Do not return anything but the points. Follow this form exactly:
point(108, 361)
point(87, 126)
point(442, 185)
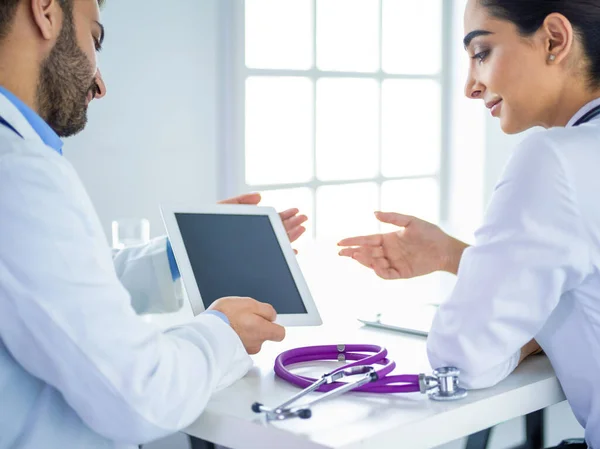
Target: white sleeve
point(66, 318)
point(531, 249)
point(145, 272)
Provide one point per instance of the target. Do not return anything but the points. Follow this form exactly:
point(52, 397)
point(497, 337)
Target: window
point(338, 107)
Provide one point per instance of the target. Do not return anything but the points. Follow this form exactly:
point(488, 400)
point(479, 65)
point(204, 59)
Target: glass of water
point(130, 232)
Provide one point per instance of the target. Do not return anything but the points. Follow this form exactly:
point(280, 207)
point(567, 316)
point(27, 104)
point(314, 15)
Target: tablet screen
point(238, 255)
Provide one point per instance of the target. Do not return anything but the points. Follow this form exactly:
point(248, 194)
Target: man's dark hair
point(8, 9)
point(529, 16)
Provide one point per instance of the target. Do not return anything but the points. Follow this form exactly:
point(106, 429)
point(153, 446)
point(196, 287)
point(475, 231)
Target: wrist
point(452, 254)
point(219, 314)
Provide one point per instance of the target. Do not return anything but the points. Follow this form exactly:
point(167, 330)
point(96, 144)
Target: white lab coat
point(534, 272)
point(78, 367)
point(157, 293)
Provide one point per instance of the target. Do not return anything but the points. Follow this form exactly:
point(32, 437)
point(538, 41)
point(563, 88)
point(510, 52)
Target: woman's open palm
point(416, 249)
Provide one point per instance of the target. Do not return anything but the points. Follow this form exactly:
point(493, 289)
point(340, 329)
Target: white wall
point(153, 138)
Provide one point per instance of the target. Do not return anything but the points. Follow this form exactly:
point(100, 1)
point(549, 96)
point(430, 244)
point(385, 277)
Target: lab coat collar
point(43, 129)
point(584, 110)
point(10, 113)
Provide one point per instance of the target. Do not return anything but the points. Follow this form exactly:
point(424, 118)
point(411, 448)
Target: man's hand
point(291, 220)
point(416, 249)
point(251, 320)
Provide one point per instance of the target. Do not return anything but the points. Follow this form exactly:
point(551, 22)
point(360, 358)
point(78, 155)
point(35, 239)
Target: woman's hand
point(530, 348)
point(416, 249)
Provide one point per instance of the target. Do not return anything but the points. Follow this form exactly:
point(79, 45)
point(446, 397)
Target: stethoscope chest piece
point(444, 383)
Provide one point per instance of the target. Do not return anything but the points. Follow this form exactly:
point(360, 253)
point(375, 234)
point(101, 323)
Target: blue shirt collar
point(47, 134)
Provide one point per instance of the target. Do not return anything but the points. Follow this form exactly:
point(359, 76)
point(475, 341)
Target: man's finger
point(266, 311)
point(367, 240)
point(273, 332)
point(295, 234)
point(295, 221)
point(288, 213)
point(254, 349)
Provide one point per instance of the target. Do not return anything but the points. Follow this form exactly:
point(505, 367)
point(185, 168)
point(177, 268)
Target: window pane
point(347, 129)
point(412, 36)
point(411, 124)
point(346, 211)
point(348, 35)
point(279, 34)
point(417, 197)
point(285, 199)
point(278, 130)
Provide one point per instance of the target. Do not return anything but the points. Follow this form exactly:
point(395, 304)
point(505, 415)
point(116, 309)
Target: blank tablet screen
point(238, 255)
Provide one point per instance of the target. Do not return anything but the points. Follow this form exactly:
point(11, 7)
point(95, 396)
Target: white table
point(363, 420)
point(343, 290)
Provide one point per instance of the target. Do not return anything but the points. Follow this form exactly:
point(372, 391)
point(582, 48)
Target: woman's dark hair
point(529, 15)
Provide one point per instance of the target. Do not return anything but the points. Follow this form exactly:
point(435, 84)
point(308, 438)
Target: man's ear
point(48, 17)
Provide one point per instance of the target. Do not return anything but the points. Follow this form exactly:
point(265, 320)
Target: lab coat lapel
point(12, 115)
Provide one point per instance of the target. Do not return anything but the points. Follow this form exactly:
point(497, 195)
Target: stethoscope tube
point(588, 116)
point(406, 383)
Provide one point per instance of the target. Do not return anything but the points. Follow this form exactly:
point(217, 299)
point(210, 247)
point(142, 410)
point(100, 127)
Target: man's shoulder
point(30, 167)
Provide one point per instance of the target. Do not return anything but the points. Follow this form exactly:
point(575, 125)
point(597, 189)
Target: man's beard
point(66, 79)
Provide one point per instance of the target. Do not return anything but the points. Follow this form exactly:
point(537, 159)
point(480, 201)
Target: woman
point(533, 275)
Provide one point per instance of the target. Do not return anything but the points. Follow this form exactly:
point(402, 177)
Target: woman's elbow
point(475, 373)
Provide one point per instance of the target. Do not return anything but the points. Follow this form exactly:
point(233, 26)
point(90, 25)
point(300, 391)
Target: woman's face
point(511, 74)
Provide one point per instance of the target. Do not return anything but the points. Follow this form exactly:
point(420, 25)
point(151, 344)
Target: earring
point(552, 58)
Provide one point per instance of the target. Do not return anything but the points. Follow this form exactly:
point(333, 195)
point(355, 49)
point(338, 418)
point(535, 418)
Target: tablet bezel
point(310, 318)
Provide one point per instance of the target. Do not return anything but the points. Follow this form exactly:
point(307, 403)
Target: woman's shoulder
point(554, 147)
point(537, 150)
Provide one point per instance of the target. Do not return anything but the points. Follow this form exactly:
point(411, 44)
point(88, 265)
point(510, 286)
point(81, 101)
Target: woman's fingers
point(366, 251)
point(363, 259)
point(366, 240)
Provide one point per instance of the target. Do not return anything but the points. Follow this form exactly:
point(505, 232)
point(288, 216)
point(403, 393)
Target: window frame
point(232, 74)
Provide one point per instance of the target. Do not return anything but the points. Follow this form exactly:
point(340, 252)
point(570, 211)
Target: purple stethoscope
point(369, 363)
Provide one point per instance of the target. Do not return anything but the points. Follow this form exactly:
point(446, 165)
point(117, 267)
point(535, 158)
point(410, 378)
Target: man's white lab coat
point(78, 367)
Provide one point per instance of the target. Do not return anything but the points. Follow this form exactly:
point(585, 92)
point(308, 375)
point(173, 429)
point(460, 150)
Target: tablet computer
point(238, 250)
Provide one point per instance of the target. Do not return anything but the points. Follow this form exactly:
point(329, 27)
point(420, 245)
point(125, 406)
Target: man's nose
point(101, 91)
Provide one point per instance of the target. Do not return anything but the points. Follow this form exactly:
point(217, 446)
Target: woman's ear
point(558, 37)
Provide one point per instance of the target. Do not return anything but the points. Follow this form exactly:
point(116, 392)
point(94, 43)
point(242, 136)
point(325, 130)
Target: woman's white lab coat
point(78, 367)
point(534, 272)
